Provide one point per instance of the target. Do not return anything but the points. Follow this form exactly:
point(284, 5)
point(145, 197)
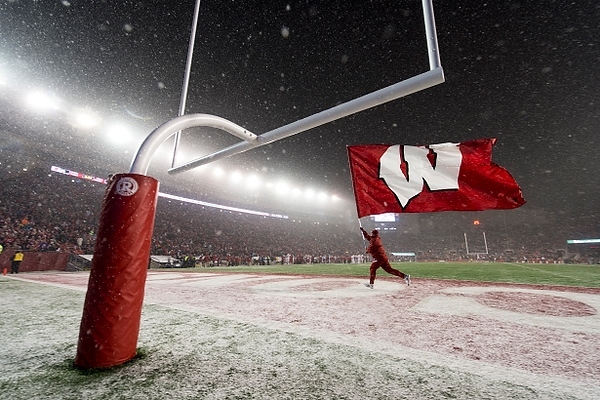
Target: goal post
point(111, 317)
point(478, 251)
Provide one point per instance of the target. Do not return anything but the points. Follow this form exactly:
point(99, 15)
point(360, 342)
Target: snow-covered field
point(246, 336)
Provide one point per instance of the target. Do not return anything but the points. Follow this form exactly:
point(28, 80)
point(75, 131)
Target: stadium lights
point(80, 175)
point(40, 101)
point(253, 182)
point(121, 135)
point(118, 134)
point(218, 172)
point(235, 177)
point(201, 170)
point(282, 188)
point(85, 119)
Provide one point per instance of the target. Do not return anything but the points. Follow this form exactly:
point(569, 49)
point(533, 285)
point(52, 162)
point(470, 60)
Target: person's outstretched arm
point(365, 234)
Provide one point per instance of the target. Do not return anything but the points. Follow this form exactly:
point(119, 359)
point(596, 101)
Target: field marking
point(209, 280)
point(541, 383)
point(82, 287)
point(225, 280)
point(544, 384)
point(352, 288)
point(528, 266)
point(461, 305)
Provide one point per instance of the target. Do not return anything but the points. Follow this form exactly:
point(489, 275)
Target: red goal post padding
point(113, 305)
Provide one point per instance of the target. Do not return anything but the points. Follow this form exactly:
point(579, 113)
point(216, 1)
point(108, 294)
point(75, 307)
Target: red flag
point(437, 177)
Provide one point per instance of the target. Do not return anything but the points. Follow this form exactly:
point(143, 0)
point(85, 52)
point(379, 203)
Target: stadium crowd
point(43, 211)
point(53, 212)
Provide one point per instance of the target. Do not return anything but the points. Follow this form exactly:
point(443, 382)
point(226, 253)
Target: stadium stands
point(43, 211)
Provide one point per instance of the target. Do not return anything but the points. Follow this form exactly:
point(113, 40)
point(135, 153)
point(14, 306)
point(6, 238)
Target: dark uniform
point(376, 250)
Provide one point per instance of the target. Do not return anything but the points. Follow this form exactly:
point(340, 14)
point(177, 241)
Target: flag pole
point(353, 187)
point(354, 191)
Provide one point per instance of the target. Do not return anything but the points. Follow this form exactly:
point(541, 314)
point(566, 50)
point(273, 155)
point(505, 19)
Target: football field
point(529, 273)
point(228, 333)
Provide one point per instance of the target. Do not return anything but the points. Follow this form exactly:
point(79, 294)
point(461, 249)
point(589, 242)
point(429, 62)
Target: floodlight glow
point(334, 197)
point(218, 172)
point(85, 119)
point(201, 169)
point(282, 188)
point(41, 101)
point(296, 191)
point(236, 177)
point(118, 134)
point(322, 196)
point(309, 193)
point(173, 197)
point(252, 182)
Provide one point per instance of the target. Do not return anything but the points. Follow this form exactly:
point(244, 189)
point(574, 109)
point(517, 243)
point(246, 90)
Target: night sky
point(523, 72)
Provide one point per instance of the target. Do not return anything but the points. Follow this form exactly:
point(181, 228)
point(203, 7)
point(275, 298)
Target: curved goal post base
point(113, 304)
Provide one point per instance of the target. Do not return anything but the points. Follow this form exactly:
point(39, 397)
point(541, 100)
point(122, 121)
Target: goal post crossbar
point(419, 82)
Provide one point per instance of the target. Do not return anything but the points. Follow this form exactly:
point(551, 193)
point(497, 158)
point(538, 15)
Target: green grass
point(582, 275)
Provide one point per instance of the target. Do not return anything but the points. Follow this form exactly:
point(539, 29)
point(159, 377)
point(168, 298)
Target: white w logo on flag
point(442, 175)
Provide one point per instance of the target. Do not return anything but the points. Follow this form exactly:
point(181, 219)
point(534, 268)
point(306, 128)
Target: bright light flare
point(118, 134)
point(282, 188)
point(40, 101)
point(252, 182)
point(201, 169)
point(218, 172)
point(85, 119)
point(236, 177)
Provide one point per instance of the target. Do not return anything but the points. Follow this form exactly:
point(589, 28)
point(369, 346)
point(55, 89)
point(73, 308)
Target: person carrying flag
point(376, 250)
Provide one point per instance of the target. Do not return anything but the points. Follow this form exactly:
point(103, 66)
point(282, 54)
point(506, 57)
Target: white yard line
point(545, 272)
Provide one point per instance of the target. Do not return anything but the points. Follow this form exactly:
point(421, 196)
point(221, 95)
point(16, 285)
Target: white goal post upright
point(476, 253)
point(112, 311)
point(425, 80)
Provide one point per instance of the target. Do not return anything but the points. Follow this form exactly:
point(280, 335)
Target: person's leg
point(390, 270)
point(373, 272)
